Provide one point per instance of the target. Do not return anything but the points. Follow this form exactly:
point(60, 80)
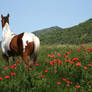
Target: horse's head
point(4, 20)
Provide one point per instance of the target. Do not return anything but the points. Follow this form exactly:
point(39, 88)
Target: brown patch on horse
point(28, 51)
point(16, 45)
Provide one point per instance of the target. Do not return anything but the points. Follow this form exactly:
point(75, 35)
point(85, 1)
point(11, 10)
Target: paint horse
point(25, 44)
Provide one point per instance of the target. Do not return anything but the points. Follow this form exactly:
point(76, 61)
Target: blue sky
point(32, 15)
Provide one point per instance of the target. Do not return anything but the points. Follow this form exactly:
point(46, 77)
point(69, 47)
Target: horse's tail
point(36, 47)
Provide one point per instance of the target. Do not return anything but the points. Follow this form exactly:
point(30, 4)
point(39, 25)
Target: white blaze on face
point(27, 37)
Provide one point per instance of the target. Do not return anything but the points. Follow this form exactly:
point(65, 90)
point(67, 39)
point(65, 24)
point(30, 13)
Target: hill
point(78, 34)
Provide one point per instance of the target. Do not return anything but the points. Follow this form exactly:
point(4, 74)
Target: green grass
point(51, 73)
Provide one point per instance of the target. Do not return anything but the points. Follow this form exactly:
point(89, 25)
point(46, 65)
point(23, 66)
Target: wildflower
point(42, 76)
point(85, 68)
point(83, 45)
point(55, 71)
point(67, 53)
point(13, 74)
point(53, 56)
point(30, 69)
point(60, 62)
point(7, 77)
point(46, 71)
point(58, 55)
point(6, 68)
point(71, 62)
point(85, 50)
point(58, 83)
point(68, 85)
point(75, 59)
point(37, 64)
point(78, 64)
point(77, 86)
point(13, 66)
point(1, 78)
point(89, 64)
point(78, 50)
point(41, 72)
point(18, 61)
point(67, 82)
point(67, 60)
point(64, 79)
point(26, 66)
point(51, 63)
point(48, 55)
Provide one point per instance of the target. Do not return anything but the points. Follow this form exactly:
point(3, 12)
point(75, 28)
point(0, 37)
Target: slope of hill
point(78, 34)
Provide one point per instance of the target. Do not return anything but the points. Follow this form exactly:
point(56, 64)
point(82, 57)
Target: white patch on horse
point(28, 36)
point(7, 36)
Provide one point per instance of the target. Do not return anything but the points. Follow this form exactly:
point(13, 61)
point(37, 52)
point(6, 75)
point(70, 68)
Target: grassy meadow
point(59, 68)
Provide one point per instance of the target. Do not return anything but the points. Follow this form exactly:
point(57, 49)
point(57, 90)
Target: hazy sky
point(31, 15)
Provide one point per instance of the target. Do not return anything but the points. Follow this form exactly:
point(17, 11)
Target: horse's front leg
point(6, 58)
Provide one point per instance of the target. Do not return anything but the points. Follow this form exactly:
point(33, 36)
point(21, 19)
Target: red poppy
point(75, 59)
point(58, 55)
point(53, 56)
point(89, 64)
point(1, 78)
point(42, 76)
point(68, 85)
point(83, 45)
point(71, 62)
point(58, 83)
point(64, 79)
point(77, 86)
point(46, 71)
point(67, 60)
point(26, 66)
point(51, 63)
point(68, 82)
point(13, 74)
point(7, 77)
point(85, 68)
point(6, 68)
point(13, 66)
point(41, 72)
point(18, 61)
point(60, 62)
point(55, 71)
point(78, 50)
point(78, 64)
point(67, 53)
point(37, 64)
point(30, 69)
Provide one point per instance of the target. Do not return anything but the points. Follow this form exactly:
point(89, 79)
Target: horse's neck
point(6, 32)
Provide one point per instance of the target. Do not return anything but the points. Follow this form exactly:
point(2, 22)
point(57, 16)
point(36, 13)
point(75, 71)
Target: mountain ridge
point(77, 34)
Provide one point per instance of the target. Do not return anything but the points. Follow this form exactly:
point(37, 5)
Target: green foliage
point(51, 69)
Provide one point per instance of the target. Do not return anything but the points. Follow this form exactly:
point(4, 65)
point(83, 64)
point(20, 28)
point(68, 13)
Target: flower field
point(57, 69)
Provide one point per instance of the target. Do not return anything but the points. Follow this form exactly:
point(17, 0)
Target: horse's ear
point(8, 15)
point(1, 16)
